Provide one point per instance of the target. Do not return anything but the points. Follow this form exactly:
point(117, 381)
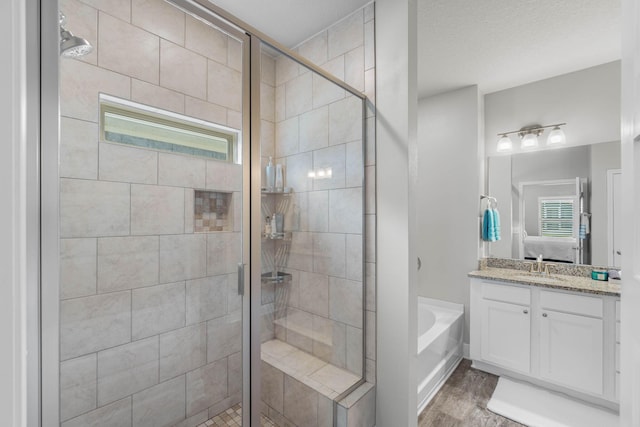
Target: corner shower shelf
point(286, 192)
point(280, 277)
point(286, 236)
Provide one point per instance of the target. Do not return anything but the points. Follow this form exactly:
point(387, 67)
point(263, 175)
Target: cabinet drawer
point(506, 293)
point(569, 303)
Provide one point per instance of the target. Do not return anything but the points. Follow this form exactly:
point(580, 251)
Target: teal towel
point(491, 225)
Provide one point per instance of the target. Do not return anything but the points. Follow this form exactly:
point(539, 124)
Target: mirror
point(560, 203)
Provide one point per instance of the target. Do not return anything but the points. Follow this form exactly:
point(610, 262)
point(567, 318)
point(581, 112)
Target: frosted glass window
point(141, 126)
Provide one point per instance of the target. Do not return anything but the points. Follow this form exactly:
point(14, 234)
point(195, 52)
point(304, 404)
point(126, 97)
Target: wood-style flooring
point(462, 401)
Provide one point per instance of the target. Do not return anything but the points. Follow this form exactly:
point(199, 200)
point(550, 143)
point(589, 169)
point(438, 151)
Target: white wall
point(587, 100)
point(603, 157)
point(447, 195)
point(12, 223)
point(396, 103)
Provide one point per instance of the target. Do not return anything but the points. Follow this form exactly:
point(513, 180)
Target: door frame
point(610, 215)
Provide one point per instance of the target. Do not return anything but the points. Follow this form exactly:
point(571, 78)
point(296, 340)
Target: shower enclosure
point(170, 299)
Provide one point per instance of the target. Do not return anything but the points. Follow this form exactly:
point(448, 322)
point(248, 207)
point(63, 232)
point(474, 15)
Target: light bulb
point(556, 137)
point(504, 144)
point(530, 140)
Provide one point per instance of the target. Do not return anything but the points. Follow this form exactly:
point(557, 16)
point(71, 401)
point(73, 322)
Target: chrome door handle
point(544, 314)
point(619, 252)
point(240, 278)
point(525, 311)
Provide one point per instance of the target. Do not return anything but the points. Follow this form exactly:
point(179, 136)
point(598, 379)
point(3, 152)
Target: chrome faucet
point(540, 267)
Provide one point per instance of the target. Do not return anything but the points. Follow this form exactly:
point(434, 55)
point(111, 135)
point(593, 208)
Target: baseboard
point(465, 350)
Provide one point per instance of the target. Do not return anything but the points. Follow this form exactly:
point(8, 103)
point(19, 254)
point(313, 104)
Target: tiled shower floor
point(232, 417)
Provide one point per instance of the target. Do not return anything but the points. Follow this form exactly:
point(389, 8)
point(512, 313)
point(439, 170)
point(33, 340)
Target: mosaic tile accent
point(212, 211)
point(232, 417)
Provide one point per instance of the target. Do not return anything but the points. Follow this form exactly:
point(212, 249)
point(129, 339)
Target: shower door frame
point(48, 302)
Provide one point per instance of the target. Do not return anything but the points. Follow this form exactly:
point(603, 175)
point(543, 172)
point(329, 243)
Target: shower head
point(70, 45)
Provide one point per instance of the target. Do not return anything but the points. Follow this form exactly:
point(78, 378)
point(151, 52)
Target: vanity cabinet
point(506, 335)
point(558, 339)
point(572, 341)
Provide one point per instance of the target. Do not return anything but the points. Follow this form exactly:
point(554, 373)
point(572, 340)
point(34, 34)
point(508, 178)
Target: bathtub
point(440, 329)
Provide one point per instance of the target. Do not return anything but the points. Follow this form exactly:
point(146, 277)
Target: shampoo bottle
point(270, 175)
point(279, 178)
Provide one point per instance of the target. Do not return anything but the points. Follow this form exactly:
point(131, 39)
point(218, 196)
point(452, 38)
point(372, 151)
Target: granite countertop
point(553, 281)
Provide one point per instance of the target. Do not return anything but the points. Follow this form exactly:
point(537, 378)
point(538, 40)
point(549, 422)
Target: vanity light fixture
point(529, 137)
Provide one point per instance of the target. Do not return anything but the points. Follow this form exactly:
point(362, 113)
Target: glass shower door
point(153, 217)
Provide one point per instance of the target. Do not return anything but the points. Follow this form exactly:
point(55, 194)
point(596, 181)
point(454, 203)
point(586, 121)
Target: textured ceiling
point(499, 44)
point(290, 22)
point(496, 44)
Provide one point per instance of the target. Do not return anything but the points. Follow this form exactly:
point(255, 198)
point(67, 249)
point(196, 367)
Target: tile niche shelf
point(275, 247)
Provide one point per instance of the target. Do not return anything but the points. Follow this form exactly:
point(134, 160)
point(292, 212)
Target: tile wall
point(316, 125)
point(150, 325)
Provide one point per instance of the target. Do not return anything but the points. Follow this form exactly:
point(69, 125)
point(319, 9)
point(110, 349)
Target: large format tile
point(157, 309)
point(78, 149)
point(120, 41)
point(287, 137)
point(297, 172)
point(80, 88)
point(223, 253)
point(318, 211)
point(298, 94)
point(354, 68)
point(159, 17)
point(333, 158)
point(128, 164)
point(127, 262)
point(301, 251)
point(300, 403)
point(345, 210)
point(299, 329)
point(224, 336)
point(77, 267)
point(346, 34)
point(354, 164)
point(207, 298)
point(182, 70)
point(127, 369)
point(181, 171)
point(183, 257)
point(325, 91)
point(345, 120)
point(204, 110)
point(160, 406)
point(224, 176)
point(335, 378)
point(329, 250)
point(224, 86)
point(314, 293)
point(314, 129)
point(315, 49)
point(157, 96)
point(117, 414)
point(206, 40)
point(330, 340)
point(267, 102)
point(118, 8)
point(182, 350)
point(206, 386)
point(272, 380)
point(354, 257)
point(354, 350)
point(345, 301)
point(93, 208)
point(157, 210)
point(94, 323)
point(77, 386)
point(234, 368)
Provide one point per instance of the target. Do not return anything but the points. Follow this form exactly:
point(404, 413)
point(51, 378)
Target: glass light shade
point(556, 137)
point(504, 144)
point(530, 140)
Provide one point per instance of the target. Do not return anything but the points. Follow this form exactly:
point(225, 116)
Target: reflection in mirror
point(563, 202)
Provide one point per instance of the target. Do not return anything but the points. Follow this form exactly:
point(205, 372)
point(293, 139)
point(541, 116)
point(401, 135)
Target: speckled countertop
point(554, 281)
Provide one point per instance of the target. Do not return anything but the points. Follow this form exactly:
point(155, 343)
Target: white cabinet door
point(506, 334)
point(571, 350)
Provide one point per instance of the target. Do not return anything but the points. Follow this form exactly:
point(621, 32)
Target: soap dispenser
point(270, 175)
